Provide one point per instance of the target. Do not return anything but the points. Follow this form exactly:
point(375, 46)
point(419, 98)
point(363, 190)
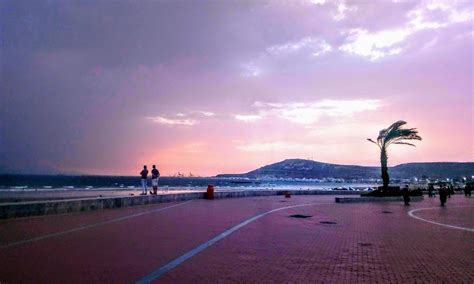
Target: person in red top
point(155, 175)
point(144, 175)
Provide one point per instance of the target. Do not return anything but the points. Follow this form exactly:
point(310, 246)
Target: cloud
point(207, 113)
point(290, 53)
point(247, 118)
point(171, 121)
point(317, 2)
point(350, 130)
point(376, 45)
point(437, 15)
point(310, 113)
point(251, 70)
point(341, 11)
point(314, 46)
point(359, 37)
point(181, 118)
point(273, 147)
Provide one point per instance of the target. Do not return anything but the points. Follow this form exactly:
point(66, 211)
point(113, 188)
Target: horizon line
point(210, 176)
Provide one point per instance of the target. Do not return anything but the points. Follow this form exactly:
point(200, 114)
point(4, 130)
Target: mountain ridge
point(301, 168)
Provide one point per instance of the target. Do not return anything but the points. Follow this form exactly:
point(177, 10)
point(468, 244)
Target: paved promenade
point(245, 240)
point(19, 196)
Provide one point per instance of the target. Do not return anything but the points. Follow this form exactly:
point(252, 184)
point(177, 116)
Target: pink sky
point(234, 86)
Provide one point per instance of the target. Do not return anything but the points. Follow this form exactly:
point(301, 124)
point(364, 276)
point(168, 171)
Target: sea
point(64, 182)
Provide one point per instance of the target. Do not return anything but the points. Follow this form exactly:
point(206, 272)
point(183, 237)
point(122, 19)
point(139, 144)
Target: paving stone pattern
point(338, 243)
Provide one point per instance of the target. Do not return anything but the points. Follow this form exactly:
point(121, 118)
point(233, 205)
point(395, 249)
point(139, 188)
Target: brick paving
point(365, 244)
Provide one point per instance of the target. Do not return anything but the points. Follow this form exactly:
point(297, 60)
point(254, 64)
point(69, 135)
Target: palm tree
point(394, 134)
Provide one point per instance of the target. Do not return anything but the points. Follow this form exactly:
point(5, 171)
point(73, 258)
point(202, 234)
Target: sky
point(209, 87)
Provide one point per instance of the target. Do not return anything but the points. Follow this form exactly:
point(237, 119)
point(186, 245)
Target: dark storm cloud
point(125, 32)
point(64, 64)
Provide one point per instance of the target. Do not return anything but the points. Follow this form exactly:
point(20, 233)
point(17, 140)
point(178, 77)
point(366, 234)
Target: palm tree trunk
point(383, 162)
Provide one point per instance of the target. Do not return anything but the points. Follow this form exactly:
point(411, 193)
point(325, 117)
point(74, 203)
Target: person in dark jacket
point(406, 195)
point(155, 175)
point(443, 194)
point(144, 175)
point(468, 189)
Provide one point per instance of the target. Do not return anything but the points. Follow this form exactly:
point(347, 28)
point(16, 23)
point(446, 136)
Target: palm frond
point(396, 125)
point(404, 143)
point(400, 134)
point(403, 135)
point(370, 140)
point(407, 137)
point(396, 133)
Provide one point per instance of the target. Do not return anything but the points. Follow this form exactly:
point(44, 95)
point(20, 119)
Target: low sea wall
point(38, 208)
point(376, 199)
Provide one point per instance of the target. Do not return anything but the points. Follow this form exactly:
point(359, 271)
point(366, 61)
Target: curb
point(376, 199)
point(40, 208)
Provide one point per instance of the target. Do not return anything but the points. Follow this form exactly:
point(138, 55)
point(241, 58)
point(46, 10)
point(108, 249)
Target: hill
point(299, 168)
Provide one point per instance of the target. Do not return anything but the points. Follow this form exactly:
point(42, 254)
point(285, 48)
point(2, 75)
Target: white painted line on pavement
point(171, 265)
point(410, 213)
point(57, 234)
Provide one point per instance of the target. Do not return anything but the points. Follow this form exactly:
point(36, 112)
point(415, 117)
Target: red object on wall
point(210, 192)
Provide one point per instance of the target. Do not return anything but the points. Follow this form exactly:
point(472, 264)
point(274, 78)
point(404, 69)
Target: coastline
point(9, 195)
point(61, 206)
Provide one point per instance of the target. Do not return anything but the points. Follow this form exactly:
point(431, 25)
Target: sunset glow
point(227, 87)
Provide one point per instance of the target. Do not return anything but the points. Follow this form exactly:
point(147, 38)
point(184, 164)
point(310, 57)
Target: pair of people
point(155, 175)
point(431, 191)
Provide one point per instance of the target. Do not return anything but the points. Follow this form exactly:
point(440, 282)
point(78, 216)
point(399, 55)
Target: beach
point(30, 188)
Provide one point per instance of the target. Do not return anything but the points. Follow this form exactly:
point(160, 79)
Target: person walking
point(468, 189)
point(443, 194)
point(430, 191)
point(406, 195)
point(155, 175)
point(144, 175)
